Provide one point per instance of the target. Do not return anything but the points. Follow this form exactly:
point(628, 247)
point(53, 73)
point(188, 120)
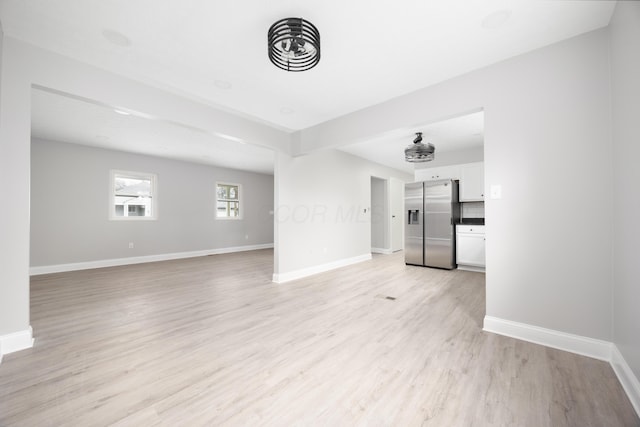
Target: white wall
point(320, 217)
point(625, 67)
point(548, 143)
point(80, 230)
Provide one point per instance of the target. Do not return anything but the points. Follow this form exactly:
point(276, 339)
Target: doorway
point(396, 199)
point(379, 216)
point(387, 233)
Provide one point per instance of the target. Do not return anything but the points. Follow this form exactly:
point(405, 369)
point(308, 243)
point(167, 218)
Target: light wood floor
point(211, 341)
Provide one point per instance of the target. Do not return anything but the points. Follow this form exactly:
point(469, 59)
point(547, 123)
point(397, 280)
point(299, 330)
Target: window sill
point(132, 218)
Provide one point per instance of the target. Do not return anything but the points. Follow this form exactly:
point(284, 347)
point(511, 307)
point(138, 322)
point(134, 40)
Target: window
point(228, 201)
point(133, 195)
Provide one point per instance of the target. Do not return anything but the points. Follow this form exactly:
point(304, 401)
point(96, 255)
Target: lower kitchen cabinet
point(470, 247)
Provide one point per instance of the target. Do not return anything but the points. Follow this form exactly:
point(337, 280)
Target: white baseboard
point(471, 268)
point(46, 269)
point(590, 347)
point(628, 380)
point(585, 346)
point(16, 341)
point(381, 251)
point(310, 271)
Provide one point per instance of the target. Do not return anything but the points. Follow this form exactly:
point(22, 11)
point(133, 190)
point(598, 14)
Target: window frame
point(239, 200)
point(113, 173)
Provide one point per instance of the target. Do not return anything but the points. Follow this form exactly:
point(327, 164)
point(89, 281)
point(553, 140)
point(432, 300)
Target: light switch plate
point(496, 191)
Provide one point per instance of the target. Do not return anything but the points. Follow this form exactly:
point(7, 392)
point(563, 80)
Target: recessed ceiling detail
point(372, 50)
point(222, 84)
point(455, 135)
point(67, 119)
point(496, 19)
point(116, 38)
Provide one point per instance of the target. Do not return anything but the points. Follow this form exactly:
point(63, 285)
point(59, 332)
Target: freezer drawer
point(439, 253)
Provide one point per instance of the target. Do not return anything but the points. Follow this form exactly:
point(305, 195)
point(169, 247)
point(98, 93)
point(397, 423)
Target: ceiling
point(61, 117)
point(215, 52)
point(458, 134)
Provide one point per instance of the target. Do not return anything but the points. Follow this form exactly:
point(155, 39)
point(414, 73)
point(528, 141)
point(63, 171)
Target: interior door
point(396, 201)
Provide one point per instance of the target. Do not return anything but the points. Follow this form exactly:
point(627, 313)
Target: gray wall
point(70, 206)
point(320, 200)
point(547, 142)
point(625, 66)
point(14, 174)
point(24, 65)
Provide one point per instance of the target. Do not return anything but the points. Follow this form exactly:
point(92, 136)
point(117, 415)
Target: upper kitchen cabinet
point(472, 182)
point(442, 172)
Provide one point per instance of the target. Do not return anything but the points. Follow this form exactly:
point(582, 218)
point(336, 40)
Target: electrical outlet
point(130, 245)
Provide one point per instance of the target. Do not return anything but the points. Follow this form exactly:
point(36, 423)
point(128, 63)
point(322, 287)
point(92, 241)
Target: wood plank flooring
point(212, 342)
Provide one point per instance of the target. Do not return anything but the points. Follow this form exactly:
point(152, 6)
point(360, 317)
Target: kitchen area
point(444, 217)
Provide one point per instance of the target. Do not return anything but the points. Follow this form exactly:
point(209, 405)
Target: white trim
point(240, 202)
point(585, 346)
point(131, 174)
point(626, 377)
point(471, 268)
point(16, 341)
point(381, 251)
point(310, 271)
point(46, 269)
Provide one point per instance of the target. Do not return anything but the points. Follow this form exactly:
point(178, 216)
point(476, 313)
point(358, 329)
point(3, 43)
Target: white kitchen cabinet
point(472, 182)
point(441, 172)
point(470, 247)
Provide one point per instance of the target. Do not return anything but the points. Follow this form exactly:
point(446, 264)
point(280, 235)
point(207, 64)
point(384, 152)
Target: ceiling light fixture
point(419, 152)
point(294, 44)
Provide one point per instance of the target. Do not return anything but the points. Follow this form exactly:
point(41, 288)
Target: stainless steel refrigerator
point(432, 211)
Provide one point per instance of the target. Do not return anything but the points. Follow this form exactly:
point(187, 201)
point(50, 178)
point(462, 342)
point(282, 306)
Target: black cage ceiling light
point(419, 152)
point(294, 44)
